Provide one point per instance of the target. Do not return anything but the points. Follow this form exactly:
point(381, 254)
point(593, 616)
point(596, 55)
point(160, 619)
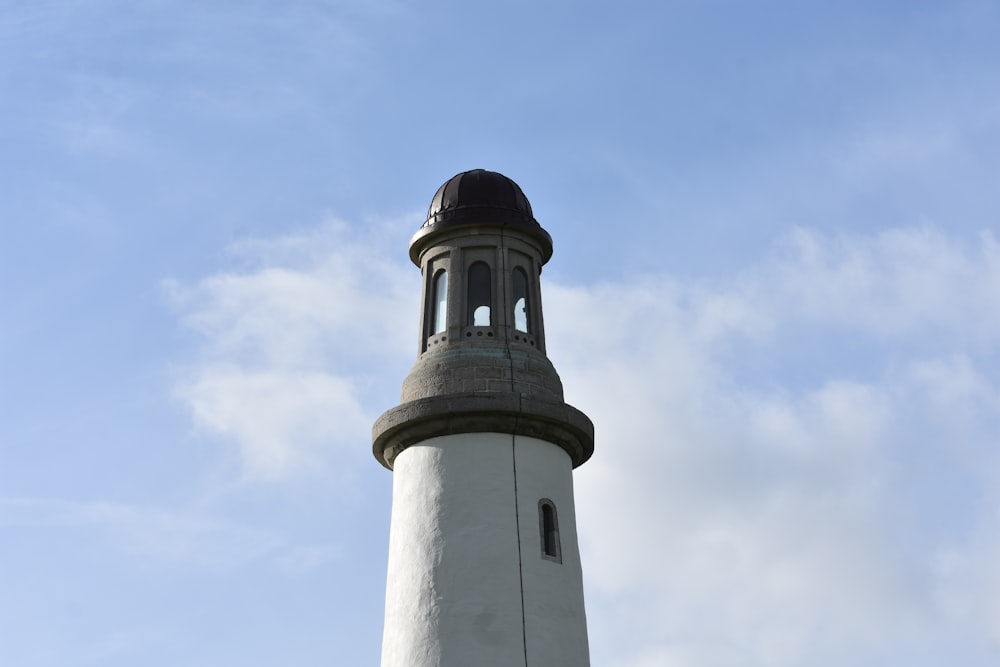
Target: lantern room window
point(519, 285)
point(480, 290)
point(439, 304)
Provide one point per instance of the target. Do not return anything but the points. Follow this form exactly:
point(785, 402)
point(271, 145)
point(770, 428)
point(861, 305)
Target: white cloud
point(291, 345)
point(283, 422)
point(735, 518)
point(326, 296)
point(899, 282)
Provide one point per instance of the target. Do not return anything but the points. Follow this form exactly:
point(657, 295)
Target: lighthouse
point(484, 565)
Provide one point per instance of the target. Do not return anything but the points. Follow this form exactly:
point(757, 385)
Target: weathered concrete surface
point(410, 423)
point(463, 547)
point(483, 366)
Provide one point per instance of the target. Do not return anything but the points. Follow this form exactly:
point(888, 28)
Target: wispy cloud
point(732, 517)
point(283, 422)
point(167, 535)
point(291, 345)
point(909, 282)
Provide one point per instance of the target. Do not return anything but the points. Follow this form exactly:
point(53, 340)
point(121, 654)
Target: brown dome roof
point(481, 197)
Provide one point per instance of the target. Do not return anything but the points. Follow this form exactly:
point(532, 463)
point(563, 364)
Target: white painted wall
point(553, 592)
point(453, 593)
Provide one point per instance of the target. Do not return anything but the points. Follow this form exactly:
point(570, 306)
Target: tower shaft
point(469, 581)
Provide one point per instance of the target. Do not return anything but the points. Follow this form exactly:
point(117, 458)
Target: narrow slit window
point(479, 295)
point(439, 306)
point(548, 525)
point(519, 283)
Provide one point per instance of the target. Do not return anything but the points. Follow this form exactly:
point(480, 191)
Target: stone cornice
point(424, 418)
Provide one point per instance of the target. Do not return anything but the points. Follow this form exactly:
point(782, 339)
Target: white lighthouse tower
point(484, 567)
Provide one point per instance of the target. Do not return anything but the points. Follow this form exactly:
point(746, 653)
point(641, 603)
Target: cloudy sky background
point(775, 291)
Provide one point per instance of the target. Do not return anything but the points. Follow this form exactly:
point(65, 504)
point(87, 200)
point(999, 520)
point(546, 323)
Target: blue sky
point(774, 290)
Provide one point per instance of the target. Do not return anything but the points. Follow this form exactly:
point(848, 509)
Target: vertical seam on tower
point(513, 440)
point(517, 527)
